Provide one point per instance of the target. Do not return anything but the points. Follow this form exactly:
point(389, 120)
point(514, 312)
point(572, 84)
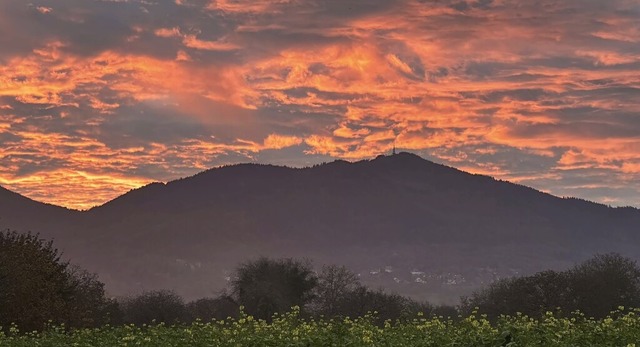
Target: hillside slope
point(402, 222)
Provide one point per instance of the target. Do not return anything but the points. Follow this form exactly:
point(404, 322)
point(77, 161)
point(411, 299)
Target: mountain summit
point(403, 222)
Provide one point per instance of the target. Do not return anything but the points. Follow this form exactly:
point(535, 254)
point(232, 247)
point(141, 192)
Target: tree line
point(38, 288)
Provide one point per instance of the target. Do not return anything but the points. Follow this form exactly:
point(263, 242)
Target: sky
point(98, 97)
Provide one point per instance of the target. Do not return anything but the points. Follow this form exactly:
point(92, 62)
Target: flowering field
point(622, 328)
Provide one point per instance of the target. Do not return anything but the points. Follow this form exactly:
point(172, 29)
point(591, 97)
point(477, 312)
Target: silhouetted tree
point(531, 295)
point(362, 300)
point(34, 284)
point(334, 283)
point(595, 287)
point(88, 304)
point(266, 286)
point(604, 282)
point(37, 286)
point(154, 306)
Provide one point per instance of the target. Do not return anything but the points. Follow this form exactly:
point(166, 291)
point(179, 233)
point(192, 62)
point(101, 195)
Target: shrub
point(154, 307)
point(37, 286)
point(267, 286)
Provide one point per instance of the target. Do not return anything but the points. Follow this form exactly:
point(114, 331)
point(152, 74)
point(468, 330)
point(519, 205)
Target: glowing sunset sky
point(98, 97)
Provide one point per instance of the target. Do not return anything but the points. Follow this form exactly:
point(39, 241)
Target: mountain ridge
point(399, 211)
point(154, 184)
point(401, 155)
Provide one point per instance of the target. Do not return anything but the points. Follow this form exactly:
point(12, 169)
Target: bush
point(595, 287)
point(384, 306)
point(604, 282)
point(208, 309)
point(154, 307)
point(36, 286)
point(88, 305)
point(531, 295)
point(266, 286)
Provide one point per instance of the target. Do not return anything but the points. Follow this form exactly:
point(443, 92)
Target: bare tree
point(334, 283)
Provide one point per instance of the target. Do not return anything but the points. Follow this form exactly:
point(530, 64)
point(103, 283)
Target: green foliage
point(33, 281)
point(532, 295)
point(87, 303)
point(267, 286)
point(36, 287)
point(594, 287)
point(604, 282)
point(621, 328)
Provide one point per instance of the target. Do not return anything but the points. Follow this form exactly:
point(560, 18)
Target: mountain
point(21, 213)
point(402, 222)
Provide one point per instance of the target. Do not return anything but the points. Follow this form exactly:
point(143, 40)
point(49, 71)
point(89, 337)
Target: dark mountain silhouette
point(21, 213)
point(416, 227)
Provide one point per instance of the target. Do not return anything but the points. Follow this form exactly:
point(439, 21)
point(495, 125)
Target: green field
point(622, 328)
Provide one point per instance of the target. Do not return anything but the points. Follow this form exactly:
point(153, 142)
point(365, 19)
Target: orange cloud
point(275, 141)
point(82, 190)
point(471, 83)
point(191, 41)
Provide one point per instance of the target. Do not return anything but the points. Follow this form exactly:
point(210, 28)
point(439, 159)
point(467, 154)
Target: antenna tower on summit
point(394, 148)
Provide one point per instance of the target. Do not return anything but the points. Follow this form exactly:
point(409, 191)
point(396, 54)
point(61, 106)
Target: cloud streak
point(99, 97)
